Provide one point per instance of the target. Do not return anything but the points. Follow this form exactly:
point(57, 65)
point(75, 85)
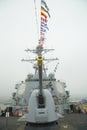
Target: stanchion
point(7, 116)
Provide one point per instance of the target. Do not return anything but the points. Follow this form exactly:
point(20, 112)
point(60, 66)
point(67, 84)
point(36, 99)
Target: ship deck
point(73, 121)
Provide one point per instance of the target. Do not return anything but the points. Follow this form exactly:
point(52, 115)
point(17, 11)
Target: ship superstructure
point(56, 87)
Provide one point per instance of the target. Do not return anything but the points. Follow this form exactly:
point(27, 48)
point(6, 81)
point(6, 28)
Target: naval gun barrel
point(40, 62)
point(40, 97)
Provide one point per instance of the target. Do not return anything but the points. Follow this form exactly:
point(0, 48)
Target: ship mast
point(43, 28)
point(39, 51)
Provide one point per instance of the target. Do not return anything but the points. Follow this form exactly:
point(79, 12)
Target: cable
point(36, 19)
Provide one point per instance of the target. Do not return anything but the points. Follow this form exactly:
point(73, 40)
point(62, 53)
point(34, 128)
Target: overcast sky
point(67, 35)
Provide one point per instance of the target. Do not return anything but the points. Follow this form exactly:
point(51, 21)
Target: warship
point(41, 97)
point(41, 101)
